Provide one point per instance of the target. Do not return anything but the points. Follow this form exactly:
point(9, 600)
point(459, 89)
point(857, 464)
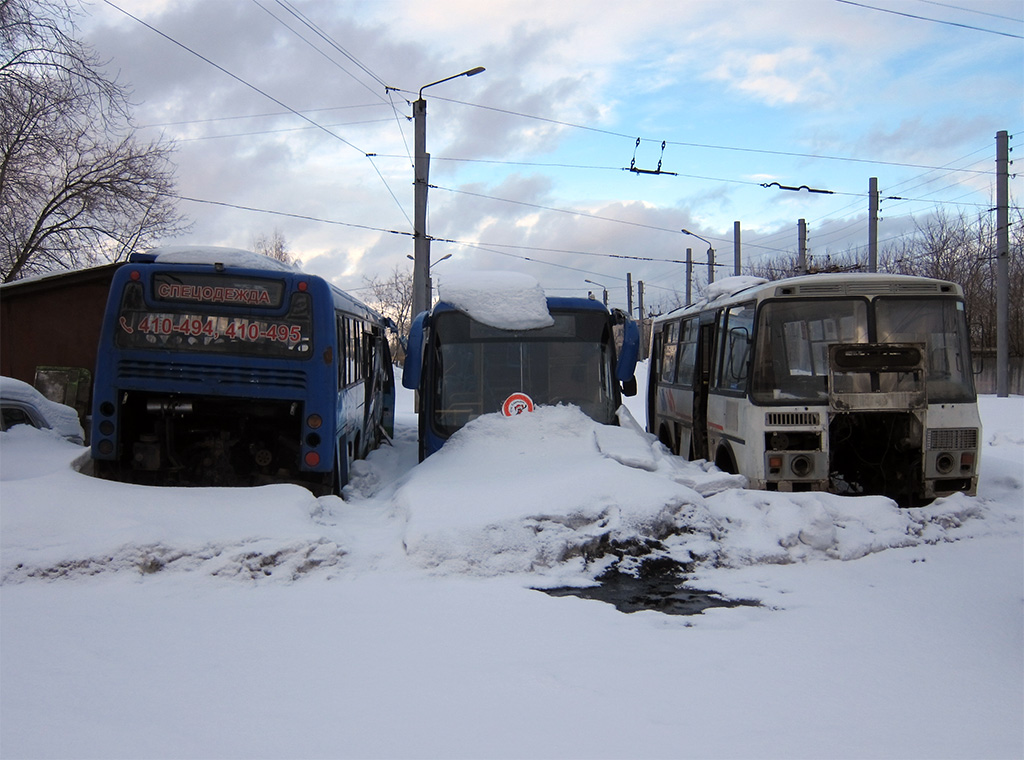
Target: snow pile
point(779, 528)
point(229, 257)
point(552, 494)
point(530, 492)
point(86, 526)
point(506, 300)
point(62, 419)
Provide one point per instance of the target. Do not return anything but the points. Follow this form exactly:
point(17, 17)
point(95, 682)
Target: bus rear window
point(197, 329)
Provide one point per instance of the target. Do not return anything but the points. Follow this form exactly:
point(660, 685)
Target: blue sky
point(529, 157)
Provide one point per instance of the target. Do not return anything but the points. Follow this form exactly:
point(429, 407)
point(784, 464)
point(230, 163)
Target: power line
point(708, 146)
point(266, 114)
point(268, 97)
point(277, 131)
point(304, 217)
point(933, 20)
point(318, 50)
point(972, 10)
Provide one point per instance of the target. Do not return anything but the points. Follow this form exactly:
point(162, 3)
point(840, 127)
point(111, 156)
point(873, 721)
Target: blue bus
point(463, 368)
point(224, 367)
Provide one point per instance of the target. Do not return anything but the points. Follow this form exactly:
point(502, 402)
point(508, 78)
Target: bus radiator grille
point(953, 438)
point(204, 375)
point(790, 419)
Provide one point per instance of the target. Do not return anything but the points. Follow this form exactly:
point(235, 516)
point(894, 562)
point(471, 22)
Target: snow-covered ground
point(403, 621)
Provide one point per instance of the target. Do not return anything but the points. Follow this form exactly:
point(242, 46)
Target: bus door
point(702, 385)
point(654, 368)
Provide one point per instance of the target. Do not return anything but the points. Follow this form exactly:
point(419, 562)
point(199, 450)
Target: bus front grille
point(790, 419)
point(205, 375)
point(952, 438)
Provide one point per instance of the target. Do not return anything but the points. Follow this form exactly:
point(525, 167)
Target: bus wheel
point(724, 460)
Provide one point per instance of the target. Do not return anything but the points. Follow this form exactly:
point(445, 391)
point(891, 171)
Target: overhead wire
point(268, 96)
point(933, 20)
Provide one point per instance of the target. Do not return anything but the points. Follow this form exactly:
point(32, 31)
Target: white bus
point(848, 383)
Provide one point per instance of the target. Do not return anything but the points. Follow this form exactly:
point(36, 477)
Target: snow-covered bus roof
point(209, 254)
point(505, 300)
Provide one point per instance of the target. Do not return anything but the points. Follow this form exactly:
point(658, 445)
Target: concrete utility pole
point(1002, 264)
point(689, 276)
point(629, 293)
point(873, 224)
point(801, 260)
point(640, 299)
point(421, 243)
point(736, 258)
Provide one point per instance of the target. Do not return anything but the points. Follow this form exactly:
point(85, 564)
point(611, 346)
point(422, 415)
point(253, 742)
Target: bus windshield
point(940, 325)
point(792, 346)
point(792, 360)
point(479, 367)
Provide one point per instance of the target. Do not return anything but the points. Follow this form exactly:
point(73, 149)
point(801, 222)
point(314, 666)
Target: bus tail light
point(967, 461)
point(314, 421)
point(775, 463)
point(312, 459)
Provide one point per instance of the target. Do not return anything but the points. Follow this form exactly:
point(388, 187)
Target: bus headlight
point(944, 463)
point(801, 465)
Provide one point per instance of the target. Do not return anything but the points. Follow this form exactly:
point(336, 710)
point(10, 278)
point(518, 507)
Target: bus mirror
point(414, 354)
point(629, 387)
point(626, 367)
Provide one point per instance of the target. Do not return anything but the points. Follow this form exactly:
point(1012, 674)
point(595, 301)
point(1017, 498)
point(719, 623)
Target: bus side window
point(668, 363)
point(342, 380)
point(687, 352)
point(735, 326)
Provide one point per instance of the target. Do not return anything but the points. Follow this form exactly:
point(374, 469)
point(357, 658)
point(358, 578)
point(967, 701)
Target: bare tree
point(392, 297)
point(76, 186)
point(273, 245)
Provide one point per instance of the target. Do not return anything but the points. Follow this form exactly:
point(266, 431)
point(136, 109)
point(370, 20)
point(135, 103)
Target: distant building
point(50, 330)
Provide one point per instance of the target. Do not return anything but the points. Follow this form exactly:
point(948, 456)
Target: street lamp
point(421, 243)
point(711, 255)
point(602, 288)
point(430, 277)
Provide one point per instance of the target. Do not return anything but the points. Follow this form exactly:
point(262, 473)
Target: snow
point(229, 257)
point(62, 419)
point(403, 621)
point(506, 300)
point(727, 286)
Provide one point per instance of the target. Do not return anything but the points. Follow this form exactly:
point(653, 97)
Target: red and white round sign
point(517, 403)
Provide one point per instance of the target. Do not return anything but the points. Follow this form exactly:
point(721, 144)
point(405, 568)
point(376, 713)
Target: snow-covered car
point(21, 404)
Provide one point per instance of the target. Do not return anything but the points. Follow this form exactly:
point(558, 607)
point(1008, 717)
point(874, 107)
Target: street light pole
point(421, 243)
point(711, 255)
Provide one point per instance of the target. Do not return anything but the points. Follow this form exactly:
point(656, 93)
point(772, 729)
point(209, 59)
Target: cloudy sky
point(295, 116)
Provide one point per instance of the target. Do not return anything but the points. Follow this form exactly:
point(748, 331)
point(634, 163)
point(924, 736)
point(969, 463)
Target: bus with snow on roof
point(218, 366)
point(851, 383)
point(501, 345)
